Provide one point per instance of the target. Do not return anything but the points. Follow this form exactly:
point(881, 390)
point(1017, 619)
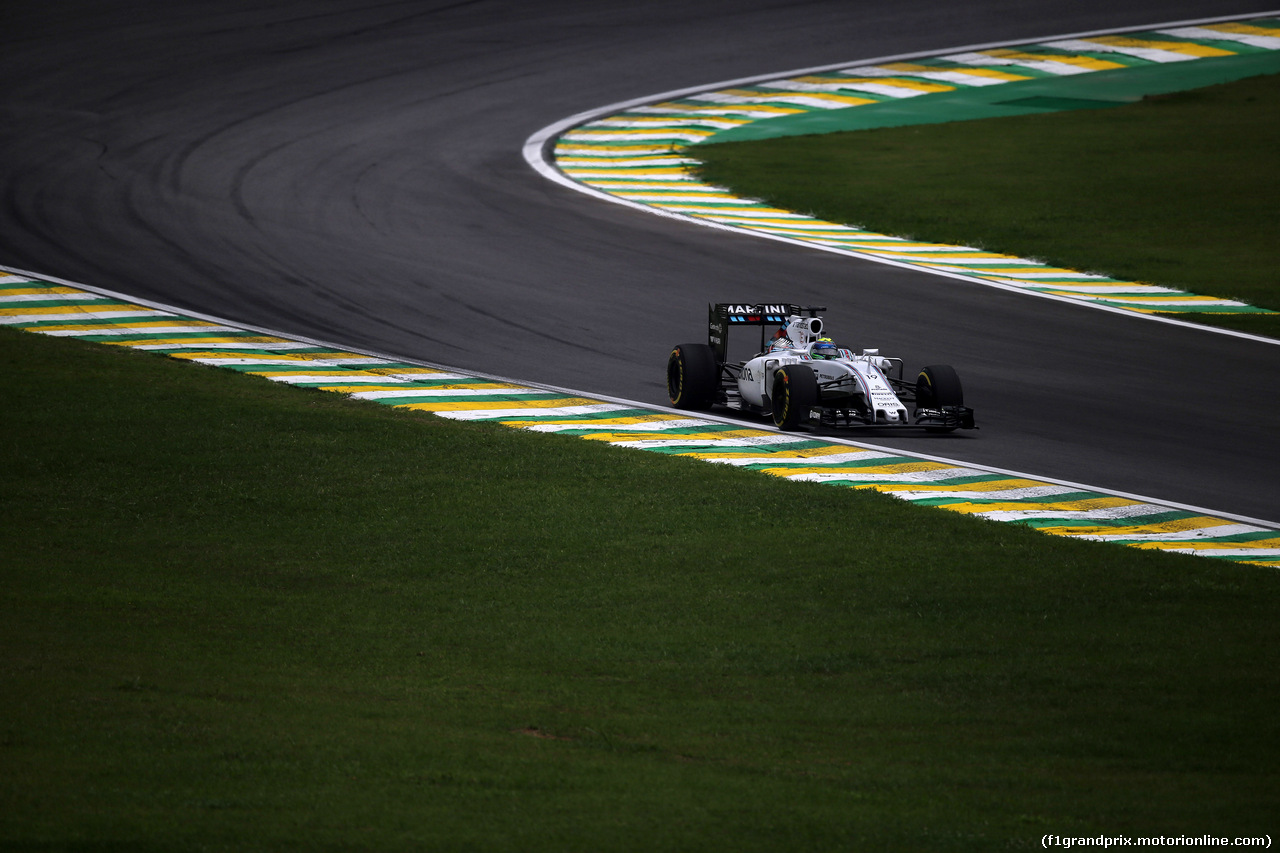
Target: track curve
point(354, 173)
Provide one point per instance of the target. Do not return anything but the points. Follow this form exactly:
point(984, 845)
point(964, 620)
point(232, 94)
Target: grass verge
point(238, 615)
point(1181, 190)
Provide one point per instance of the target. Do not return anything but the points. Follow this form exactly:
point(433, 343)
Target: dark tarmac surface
point(353, 172)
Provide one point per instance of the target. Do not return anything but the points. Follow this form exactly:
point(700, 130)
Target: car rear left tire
point(693, 376)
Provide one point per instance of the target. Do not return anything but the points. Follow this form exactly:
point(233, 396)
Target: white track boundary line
point(538, 154)
point(893, 451)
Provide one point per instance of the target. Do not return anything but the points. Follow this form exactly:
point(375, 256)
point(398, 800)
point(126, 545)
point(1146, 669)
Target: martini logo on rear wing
point(723, 315)
point(754, 315)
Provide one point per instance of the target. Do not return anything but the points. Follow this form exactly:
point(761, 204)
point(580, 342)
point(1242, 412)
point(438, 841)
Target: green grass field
point(1181, 190)
point(239, 616)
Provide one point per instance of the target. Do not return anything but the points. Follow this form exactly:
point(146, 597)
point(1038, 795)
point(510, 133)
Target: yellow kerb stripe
point(513, 403)
point(853, 471)
point(624, 437)
point(1187, 48)
point(815, 453)
point(355, 389)
point(595, 422)
point(1260, 544)
point(983, 486)
point(911, 68)
point(1025, 506)
point(633, 131)
point(247, 340)
point(782, 94)
point(1182, 525)
point(34, 291)
point(141, 324)
point(767, 108)
point(1069, 59)
point(881, 81)
point(424, 372)
point(638, 148)
point(606, 171)
point(88, 307)
point(1245, 29)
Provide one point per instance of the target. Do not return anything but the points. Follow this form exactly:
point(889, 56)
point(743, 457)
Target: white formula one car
point(801, 377)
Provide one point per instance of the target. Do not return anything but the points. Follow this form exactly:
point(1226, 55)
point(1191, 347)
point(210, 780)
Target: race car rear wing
point(725, 315)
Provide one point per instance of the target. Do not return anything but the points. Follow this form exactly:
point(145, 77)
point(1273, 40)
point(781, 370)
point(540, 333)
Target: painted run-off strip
point(644, 153)
point(1062, 509)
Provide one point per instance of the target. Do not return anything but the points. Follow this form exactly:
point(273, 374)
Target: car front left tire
point(795, 390)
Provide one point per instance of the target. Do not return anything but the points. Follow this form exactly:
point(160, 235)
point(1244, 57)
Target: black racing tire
point(693, 376)
point(937, 386)
point(795, 390)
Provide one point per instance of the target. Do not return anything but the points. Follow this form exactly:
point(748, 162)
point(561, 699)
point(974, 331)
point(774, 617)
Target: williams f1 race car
point(800, 377)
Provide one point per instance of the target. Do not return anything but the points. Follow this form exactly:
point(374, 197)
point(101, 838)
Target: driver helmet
point(825, 348)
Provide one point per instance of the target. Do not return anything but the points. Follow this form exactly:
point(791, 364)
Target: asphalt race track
point(352, 172)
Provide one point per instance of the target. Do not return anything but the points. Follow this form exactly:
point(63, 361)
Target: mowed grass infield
point(236, 615)
point(1181, 190)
